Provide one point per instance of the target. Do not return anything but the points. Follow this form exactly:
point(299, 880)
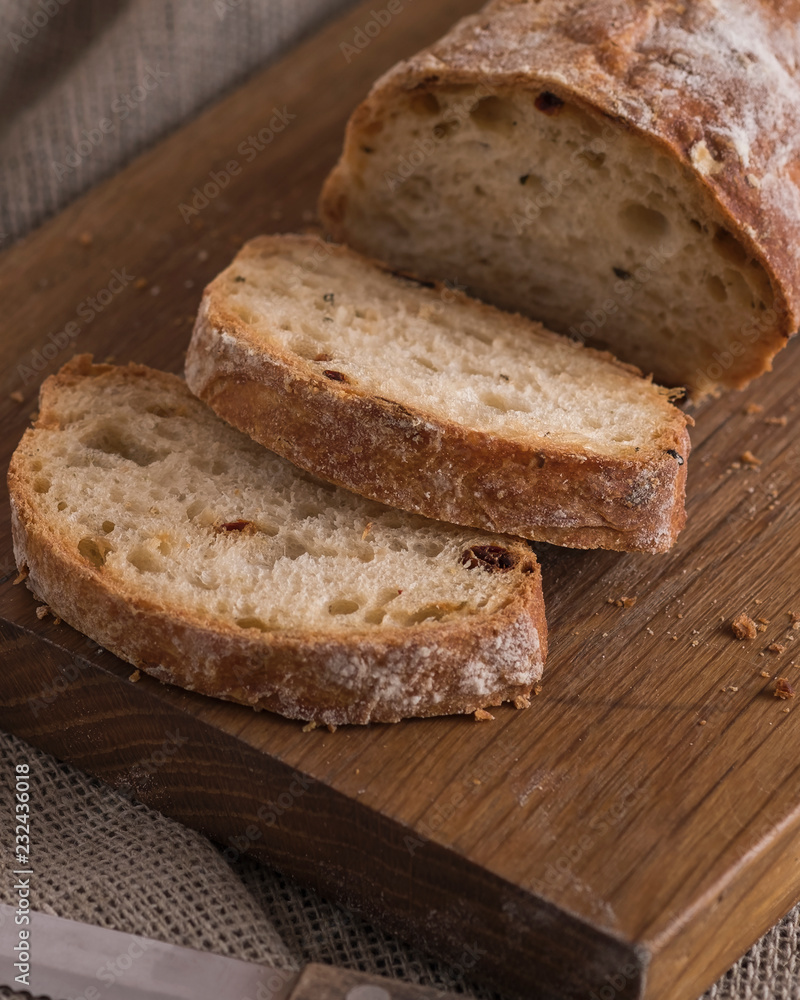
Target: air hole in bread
point(95, 550)
point(36, 465)
point(484, 336)
point(253, 622)
point(113, 440)
point(425, 363)
point(343, 607)
point(294, 548)
point(161, 411)
point(310, 509)
point(494, 113)
point(108, 527)
point(167, 430)
point(62, 505)
point(716, 289)
point(643, 223)
point(505, 404)
point(424, 104)
point(738, 288)
point(145, 560)
point(441, 130)
point(593, 160)
point(430, 549)
point(432, 612)
point(199, 511)
point(375, 616)
point(729, 248)
point(41, 484)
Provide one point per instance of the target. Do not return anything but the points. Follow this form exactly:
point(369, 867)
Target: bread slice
point(195, 554)
point(624, 172)
point(424, 399)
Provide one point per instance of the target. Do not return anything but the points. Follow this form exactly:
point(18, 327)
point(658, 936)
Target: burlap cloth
point(65, 65)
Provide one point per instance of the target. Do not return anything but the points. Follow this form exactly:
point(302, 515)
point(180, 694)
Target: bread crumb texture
point(743, 627)
point(469, 160)
point(392, 337)
point(151, 498)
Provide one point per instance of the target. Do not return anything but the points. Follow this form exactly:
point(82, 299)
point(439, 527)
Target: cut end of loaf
point(415, 395)
point(540, 204)
point(209, 562)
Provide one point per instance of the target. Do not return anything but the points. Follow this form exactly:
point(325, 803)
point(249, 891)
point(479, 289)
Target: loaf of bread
point(419, 397)
point(625, 172)
point(195, 554)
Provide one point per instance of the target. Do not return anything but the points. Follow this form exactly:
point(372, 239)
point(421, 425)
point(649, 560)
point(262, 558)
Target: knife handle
point(325, 982)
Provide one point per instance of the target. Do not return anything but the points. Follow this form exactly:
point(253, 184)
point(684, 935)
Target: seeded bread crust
point(712, 86)
point(337, 677)
point(407, 458)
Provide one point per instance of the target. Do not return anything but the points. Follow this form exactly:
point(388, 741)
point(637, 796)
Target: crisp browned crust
point(714, 86)
point(332, 677)
point(412, 460)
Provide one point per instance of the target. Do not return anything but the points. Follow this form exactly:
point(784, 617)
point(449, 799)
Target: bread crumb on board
point(135, 676)
point(42, 611)
point(743, 627)
point(16, 396)
point(481, 715)
point(22, 575)
point(622, 602)
point(310, 726)
point(776, 647)
point(783, 689)
point(753, 408)
point(522, 701)
point(748, 458)
point(776, 421)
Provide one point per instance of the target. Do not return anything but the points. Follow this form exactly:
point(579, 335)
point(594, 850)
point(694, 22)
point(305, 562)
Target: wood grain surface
point(628, 835)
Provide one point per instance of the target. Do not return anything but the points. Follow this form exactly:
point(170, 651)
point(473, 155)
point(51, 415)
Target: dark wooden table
point(639, 826)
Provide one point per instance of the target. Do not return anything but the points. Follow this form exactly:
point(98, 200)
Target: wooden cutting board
point(634, 830)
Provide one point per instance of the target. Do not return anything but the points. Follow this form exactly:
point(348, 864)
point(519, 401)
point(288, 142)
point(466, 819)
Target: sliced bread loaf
point(435, 403)
point(178, 543)
point(626, 171)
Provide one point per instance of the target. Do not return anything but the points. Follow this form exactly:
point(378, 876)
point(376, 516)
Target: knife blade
point(70, 960)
